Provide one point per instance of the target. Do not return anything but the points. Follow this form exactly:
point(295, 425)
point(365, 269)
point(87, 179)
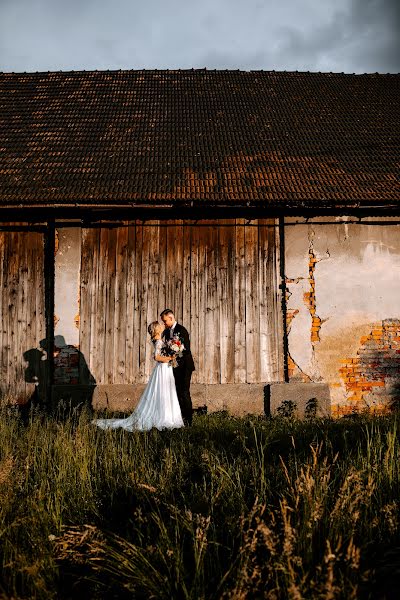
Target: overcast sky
point(354, 36)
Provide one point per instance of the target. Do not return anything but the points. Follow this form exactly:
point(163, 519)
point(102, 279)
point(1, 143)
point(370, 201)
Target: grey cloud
point(348, 35)
point(363, 38)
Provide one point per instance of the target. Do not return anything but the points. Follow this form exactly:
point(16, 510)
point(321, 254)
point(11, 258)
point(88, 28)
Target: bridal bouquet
point(173, 347)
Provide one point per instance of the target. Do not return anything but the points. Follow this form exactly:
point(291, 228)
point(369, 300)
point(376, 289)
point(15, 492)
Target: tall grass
point(230, 508)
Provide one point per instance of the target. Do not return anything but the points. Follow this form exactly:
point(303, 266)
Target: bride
point(158, 405)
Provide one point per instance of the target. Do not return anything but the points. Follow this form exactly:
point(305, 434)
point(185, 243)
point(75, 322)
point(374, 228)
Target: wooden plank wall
point(22, 312)
point(220, 279)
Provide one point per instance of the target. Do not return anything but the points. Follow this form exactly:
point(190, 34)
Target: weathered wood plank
point(99, 355)
point(34, 263)
point(137, 339)
point(130, 359)
point(252, 309)
point(152, 288)
point(36, 330)
point(23, 337)
point(120, 304)
point(186, 280)
point(22, 313)
point(230, 375)
point(212, 340)
point(35, 300)
point(145, 347)
point(263, 294)
point(178, 272)
point(206, 306)
point(170, 267)
point(38, 294)
point(240, 303)
point(92, 248)
point(203, 343)
point(13, 268)
point(223, 301)
point(6, 313)
point(194, 320)
point(18, 349)
point(162, 260)
point(110, 360)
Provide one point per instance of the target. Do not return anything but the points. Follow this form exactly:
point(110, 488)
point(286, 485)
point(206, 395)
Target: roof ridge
point(196, 70)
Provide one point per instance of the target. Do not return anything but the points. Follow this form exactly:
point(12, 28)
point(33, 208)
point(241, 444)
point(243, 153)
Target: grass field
point(230, 508)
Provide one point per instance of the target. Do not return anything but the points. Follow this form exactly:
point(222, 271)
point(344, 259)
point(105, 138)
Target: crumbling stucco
point(309, 297)
point(342, 280)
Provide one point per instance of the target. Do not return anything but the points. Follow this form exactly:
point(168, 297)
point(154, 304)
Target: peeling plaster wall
point(343, 312)
point(67, 274)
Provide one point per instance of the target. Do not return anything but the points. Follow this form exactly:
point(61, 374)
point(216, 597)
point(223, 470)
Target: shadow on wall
point(372, 378)
point(73, 382)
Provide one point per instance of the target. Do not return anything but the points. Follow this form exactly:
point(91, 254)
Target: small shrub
point(310, 411)
point(287, 409)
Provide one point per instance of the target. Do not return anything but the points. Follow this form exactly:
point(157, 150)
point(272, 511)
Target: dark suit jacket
point(185, 361)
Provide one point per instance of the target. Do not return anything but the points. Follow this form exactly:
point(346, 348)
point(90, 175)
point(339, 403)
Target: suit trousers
point(182, 382)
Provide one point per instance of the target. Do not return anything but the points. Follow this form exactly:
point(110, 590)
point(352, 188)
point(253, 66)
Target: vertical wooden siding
point(21, 310)
point(221, 281)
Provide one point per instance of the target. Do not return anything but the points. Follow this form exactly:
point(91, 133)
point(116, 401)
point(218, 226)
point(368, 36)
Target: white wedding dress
point(158, 405)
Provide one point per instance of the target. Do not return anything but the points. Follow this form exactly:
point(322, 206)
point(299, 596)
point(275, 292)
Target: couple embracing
point(165, 402)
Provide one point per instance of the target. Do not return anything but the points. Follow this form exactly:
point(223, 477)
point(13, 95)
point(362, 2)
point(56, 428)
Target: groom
point(183, 372)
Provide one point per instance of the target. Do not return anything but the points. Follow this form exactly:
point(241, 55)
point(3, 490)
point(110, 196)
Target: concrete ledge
point(237, 399)
point(298, 399)
point(74, 393)
point(117, 397)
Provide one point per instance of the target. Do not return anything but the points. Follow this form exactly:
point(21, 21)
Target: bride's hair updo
point(154, 328)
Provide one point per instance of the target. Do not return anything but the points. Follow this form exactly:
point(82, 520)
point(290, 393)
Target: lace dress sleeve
point(158, 344)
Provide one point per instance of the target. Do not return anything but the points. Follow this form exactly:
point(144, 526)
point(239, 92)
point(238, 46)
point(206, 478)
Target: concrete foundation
point(236, 399)
point(298, 399)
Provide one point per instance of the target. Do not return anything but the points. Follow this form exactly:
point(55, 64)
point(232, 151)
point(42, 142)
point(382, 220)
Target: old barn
point(263, 207)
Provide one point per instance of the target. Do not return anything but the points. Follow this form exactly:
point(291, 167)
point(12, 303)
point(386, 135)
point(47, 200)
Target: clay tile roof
point(199, 137)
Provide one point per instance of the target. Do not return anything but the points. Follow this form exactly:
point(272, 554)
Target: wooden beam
point(283, 296)
point(89, 215)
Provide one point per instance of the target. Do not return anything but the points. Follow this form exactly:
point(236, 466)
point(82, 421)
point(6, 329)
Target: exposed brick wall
point(372, 377)
point(66, 365)
point(309, 297)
